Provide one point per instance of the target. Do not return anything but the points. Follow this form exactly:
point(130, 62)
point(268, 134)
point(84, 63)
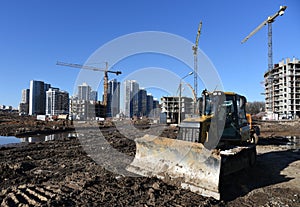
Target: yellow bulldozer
point(217, 142)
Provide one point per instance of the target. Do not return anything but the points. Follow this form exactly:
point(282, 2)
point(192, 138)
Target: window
point(241, 103)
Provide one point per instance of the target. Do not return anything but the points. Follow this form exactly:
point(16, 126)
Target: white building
point(282, 90)
point(131, 98)
point(57, 102)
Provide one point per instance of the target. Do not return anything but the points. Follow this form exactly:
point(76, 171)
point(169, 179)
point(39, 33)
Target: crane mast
point(195, 49)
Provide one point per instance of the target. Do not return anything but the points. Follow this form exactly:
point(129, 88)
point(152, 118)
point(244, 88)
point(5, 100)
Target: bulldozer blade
point(185, 164)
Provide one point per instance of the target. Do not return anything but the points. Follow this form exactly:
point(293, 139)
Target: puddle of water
point(37, 138)
point(9, 140)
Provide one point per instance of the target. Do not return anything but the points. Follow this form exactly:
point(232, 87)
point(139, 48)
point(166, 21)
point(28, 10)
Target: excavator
point(219, 141)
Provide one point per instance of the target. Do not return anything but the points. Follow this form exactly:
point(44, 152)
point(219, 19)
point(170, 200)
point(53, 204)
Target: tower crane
point(106, 71)
point(195, 49)
point(268, 21)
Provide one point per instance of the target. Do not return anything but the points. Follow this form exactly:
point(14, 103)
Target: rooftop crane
point(195, 49)
point(94, 69)
point(268, 21)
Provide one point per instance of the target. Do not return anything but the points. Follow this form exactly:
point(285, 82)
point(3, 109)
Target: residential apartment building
point(155, 113)
point(37, 97)
point(42, 99)
point(142, 105)
point(25, 96)
point(24, 105)
point(149, 103)
point(113, 98)
point(57, 102)
point(282, 90)
point(131, 98)
point(78, 109)
point(86, 110)
point(94, 96)
point(170, 108)
point(85, 105)
point(84, 92)
point(137, 102)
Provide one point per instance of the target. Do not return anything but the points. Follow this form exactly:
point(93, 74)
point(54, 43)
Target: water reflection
point(8, 140)
point(51, 137)
point(294, 142)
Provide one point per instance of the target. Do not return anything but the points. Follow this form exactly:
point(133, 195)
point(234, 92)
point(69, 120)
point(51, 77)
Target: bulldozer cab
point(227, 109)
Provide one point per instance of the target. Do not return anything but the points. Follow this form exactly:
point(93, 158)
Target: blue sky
point(35, 34)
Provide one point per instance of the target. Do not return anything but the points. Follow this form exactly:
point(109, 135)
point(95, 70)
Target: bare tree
point(255, 107)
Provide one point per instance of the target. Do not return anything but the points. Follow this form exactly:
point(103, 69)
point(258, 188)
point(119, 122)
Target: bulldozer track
point(29, 195)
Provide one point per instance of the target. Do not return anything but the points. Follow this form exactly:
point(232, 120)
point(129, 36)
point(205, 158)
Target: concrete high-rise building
point(170, 108)
point(282, 90)
point(131, 98)
point(57, 102)
point(94, 96)
point(85, 106)
point(86, 110)
point(127, 98)
point(137, 101)
point(37, 97)
point(142, 105)
point(24, 105)
point(156, 109)
point(84, 92)
point(51, 100)
point(113, 98)
point(149, 103)
point(25, 96)
point(78, 109)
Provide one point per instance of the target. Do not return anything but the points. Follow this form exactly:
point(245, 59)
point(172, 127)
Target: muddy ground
point(14, 125)
point(63, 173)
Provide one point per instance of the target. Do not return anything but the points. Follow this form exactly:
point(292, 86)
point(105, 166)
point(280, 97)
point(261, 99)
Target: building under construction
point(170, 108)
point(282, 90)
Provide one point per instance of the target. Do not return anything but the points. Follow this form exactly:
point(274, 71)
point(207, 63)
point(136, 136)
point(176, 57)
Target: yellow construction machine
point(217, 142)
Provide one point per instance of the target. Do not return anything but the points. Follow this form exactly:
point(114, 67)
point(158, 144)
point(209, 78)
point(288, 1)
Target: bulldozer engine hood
point(201, 119)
